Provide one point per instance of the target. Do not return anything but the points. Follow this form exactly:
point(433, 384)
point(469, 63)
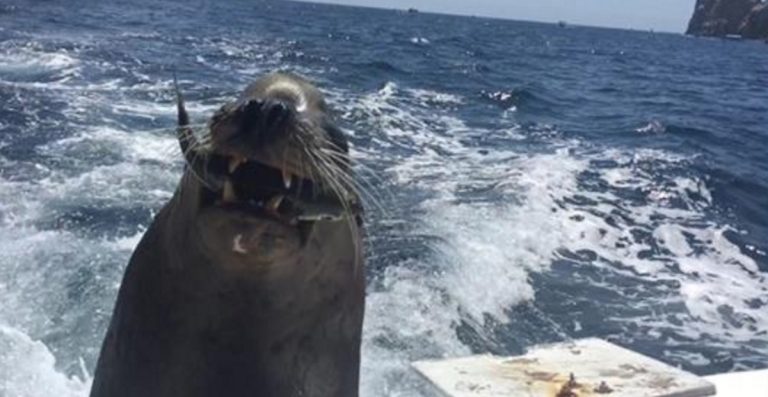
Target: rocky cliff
point(755, 26)
point(748, 18)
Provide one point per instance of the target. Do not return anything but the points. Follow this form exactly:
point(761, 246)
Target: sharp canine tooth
point(287, 179)
point(229, 192)
point(234, 162)
point(274, 203)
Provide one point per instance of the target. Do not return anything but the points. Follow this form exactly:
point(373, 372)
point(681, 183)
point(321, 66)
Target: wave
point(28, 368)
point(495, 219)
point(28, 64)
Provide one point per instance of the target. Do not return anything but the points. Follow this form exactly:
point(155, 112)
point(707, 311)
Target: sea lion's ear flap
point(187, 140)
point(337, 136)
point(183, 116)
point(195, 155)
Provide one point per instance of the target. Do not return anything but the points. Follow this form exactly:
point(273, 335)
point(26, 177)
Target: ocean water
point(527, 183)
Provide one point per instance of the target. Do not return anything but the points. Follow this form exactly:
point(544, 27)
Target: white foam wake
point(30, 63)
point(28, 369)
point(492, 218)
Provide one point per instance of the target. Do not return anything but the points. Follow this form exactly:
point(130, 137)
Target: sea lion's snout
point(263, 121)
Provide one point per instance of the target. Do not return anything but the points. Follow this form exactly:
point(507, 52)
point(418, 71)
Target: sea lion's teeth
point(228, 195)
point(274, 203)
point(287, 179)
point(235, 162)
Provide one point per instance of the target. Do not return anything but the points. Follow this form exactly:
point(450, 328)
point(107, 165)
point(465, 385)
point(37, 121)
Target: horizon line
point(495, 18)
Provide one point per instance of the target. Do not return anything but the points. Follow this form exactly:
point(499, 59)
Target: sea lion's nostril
point(264, 119)
point(276, 113)
point(252, 106)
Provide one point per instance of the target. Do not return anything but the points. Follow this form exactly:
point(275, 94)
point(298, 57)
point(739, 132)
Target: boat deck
point(588, 367)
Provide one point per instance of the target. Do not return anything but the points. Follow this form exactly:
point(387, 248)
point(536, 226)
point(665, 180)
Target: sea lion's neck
point(281, 332)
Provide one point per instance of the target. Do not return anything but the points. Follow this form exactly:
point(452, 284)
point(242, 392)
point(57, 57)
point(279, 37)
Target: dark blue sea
point(526, 183)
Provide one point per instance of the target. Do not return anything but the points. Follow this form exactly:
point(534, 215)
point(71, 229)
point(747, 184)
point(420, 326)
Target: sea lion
point(250, 281)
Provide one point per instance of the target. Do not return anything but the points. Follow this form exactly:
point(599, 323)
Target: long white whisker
point(338, 189)
point(351, 183)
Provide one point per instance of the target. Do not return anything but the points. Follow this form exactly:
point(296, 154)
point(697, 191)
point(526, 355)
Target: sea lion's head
point(272, 165)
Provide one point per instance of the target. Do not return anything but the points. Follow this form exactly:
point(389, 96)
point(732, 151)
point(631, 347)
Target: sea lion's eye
point(337, 136)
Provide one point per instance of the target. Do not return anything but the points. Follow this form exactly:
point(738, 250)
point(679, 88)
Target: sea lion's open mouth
point(256, 189)
point(240, 171)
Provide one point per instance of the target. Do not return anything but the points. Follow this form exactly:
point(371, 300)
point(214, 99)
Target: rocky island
point(722, 18)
